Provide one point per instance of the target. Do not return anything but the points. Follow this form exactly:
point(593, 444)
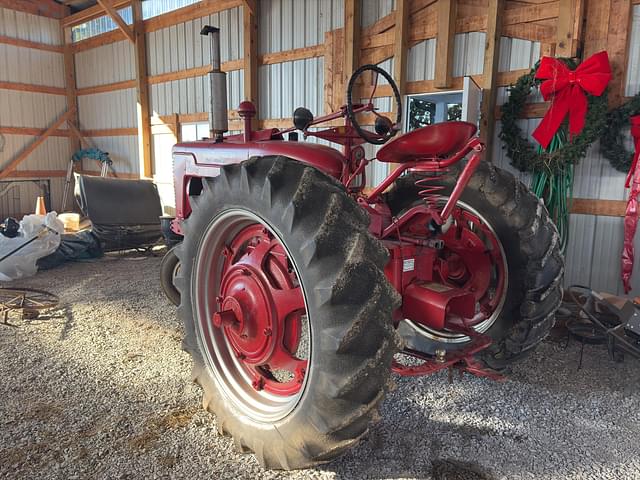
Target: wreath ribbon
point(566, 89)
point(631, 213)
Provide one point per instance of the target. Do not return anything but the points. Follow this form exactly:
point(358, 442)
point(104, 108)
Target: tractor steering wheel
point(385, 130)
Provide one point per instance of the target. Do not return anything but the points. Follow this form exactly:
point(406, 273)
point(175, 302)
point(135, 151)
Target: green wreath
point(526, 156)
point(612, 139)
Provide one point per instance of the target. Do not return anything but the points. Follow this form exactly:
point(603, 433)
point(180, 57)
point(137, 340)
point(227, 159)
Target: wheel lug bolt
point(267, 332)
point(246, 271)
point(241, 356)
point(258, 384)
point(219, 299)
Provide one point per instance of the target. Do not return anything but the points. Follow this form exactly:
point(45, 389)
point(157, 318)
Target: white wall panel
point(27, 65)
point(181, 46)
point(633, 70)
point(111, 63)
point(287, 24)
point(468, 54)
point(34, 28)
point(115, 109)
point(373, 10)
point(27, 109)
point(285, 86)
point(421, 61)
point(123, 151)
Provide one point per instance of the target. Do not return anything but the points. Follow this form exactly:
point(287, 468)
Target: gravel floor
point(101, 389)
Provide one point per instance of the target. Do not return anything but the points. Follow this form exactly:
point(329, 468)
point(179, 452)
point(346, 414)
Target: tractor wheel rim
point(254, 344)
point(502, 269)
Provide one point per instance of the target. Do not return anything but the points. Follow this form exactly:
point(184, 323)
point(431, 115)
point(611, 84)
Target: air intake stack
point(218, 121)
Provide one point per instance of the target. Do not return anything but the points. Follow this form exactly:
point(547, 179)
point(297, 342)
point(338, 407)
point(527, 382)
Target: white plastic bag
point(23, 262)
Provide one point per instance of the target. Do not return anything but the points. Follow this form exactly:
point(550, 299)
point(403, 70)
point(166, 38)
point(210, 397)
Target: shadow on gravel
point(414, 447)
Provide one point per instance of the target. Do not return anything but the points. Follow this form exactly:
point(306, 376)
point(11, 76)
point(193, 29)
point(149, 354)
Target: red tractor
point(301, 290)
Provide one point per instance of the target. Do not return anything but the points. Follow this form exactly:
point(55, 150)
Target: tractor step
point(462, 359)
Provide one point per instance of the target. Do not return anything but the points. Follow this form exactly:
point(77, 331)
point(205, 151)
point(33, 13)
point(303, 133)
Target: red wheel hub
point(260, 309)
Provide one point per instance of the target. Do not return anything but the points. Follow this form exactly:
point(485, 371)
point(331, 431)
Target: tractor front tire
point(349, 304)
point(169, 268)
point(531, 247)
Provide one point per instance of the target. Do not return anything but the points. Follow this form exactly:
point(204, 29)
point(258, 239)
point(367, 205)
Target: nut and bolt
point(440, 355)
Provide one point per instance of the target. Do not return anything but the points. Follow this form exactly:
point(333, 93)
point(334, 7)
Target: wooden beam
point(20, 157)
point(92, 13)
point(29, 87)
point(37, 174)
point(605, 208)
point(250, 54)
point(490, 73)
point(70, 87)
point(86, 141)
point(351, 40)
point(110, 87)
point(401, 48)
point(33, 132)
point(18, 42)
point(618, 38)
point(291, 55)
point(111, 132)
point(447, 12)
point(142, 91)
point(44, 8)
point(566, 22)
point(115, 16)
point(184, 14)
point(596, 26)
point(250, 5)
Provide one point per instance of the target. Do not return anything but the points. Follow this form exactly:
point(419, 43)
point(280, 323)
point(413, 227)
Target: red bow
point(566, 90)
point(631, 214)
point(635, 133)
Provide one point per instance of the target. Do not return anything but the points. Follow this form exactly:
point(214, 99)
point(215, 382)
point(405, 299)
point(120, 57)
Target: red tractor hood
point(207, 152)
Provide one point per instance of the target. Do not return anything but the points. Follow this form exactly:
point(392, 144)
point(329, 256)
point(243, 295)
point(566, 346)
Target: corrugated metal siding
point(468, 54)
point(34, 28)
point(633, 70)
point(115, 109)
point(110, 63)
point(287, 24)
point(153, 8)
point(421, 61)
point(29, 109)
point(99, 25)
point(285, 86)
point(192, 95)
point(123, 151)
point(373, 10)
point(182, 47)
point(593, 252)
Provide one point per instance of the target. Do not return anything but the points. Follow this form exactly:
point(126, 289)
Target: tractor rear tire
point(169, 268)
point(349, 305)
point(530, 242)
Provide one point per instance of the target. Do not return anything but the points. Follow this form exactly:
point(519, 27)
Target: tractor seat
point(438, 140)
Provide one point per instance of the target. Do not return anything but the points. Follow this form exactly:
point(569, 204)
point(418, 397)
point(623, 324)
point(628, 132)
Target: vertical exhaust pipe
point(218, 118)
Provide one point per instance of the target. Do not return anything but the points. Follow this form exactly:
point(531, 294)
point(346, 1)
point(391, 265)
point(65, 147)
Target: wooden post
point(70, 86)
point(618, 48)
point(142, 91)
point(113, 13)
point(445, 40)
point(13, 164)
point(351, 38)
point(491, 56)
point(250, 32)
point(401, 47)
point(568, 28)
